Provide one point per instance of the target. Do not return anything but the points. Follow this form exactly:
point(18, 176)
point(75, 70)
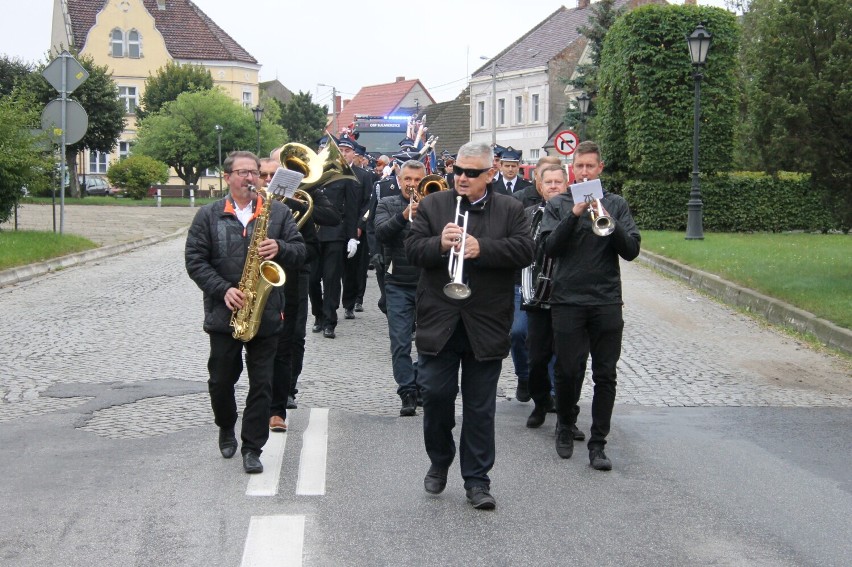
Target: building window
point(480, 113)
point(128, 97)
point(123, 150)
point(247, 99)
point(535, 108)
point(117, 43)
point(133, 46)
point(98, 162)
point(501, 111)
point(519, 110)
point(211, 172)
point(534, 154)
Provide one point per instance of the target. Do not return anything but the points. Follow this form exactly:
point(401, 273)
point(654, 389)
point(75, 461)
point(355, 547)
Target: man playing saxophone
point(217, 250)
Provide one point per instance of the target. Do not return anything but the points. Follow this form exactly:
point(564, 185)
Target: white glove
point(351, 247)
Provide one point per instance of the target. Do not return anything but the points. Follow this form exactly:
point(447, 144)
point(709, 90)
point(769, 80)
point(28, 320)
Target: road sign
point(566, 142)
point(76, 121)
point(75, 74)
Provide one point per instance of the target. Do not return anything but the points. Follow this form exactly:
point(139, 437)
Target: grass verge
point(811, 271)
point(18, 248)
point(118, 201)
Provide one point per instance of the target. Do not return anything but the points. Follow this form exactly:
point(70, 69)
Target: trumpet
point(602, 224)
point(428, 185)
point(456, 289)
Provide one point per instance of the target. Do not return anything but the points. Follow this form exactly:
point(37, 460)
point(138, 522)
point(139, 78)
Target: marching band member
point(586, 303)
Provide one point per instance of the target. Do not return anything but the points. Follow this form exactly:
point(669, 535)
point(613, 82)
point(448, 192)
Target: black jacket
point(391, 230)
point(528, 196)
point(586, 270)
point(215, 255)
point(345, 196)
point(518, 183)
point(498, 222)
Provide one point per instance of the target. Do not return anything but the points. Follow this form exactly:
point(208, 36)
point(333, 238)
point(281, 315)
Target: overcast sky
point(360, 43)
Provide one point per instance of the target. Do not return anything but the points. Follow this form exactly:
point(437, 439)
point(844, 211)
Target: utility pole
point(494, 101)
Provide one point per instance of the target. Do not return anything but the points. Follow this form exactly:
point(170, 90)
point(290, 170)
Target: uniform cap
point(511, 154)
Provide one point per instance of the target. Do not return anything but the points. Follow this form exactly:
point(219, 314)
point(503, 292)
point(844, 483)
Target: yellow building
point(134, 38)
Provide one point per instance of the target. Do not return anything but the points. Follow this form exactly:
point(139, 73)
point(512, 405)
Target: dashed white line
point(274, 541)
point(312, 462)
point(266, 483)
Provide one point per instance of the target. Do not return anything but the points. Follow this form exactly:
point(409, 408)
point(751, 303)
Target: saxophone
point(258, 279)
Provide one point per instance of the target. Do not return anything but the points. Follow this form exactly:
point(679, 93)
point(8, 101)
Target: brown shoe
point(277, 424)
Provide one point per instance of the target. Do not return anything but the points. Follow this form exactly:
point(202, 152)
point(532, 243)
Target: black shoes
point(291, 403)
point(564, 441)
point(252, 464)
point(522, 392)
point(480, 498)
point(436, 480)
point(578, 435)
point(359, 308)
point(598, 459)
point(348, 314)
point(227, 442)
point(539, 412)
point(328, 333)
point(317, 326)
point(409, 404)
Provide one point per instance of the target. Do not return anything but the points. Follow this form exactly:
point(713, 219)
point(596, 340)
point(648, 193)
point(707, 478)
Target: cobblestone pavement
point(110, 339)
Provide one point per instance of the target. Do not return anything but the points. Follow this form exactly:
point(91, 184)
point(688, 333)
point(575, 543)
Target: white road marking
point(266, 483)
point(312, 461)
point(274, 541)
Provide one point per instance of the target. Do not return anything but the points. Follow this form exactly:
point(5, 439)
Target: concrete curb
point(775, 311)
point(20, 274)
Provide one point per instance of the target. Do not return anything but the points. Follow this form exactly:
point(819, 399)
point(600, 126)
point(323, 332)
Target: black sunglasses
point(471, 173)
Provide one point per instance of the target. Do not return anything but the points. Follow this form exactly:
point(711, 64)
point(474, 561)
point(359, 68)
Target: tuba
point(536, 279)
point(258, 279)
point(318, 169)
point(428, 185)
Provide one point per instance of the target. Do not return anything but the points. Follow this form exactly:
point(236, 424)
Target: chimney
point(400, 79)
point(582, 4)
point(690, 2)
point(161, 4)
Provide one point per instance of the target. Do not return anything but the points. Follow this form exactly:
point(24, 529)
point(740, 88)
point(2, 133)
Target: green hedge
point(736, 202)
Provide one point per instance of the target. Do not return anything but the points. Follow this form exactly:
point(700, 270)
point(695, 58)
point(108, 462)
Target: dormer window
point(127, 44)
point(117, 43)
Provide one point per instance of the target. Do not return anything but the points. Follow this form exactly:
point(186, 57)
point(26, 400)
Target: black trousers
point(438, 379)
point(355, 275)
point(580, 331)
point(540, 351)
point(325, 283)
point(291, 343)
point(225, 366)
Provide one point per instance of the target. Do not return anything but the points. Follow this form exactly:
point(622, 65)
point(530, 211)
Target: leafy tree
point(170, 81)
point(796, 60)
point(183, 133)
point(98, 96)
point(304, 120)
point(604, 14)
point(12, 71)
point(22, 162)
point(646, 97)
point(136, 174)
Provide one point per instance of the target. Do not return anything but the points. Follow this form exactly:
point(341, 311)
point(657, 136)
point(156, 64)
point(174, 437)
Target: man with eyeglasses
point(471, 333)
point(215, 254)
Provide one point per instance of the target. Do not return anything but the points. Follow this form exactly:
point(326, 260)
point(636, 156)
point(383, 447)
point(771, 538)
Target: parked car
point(93, 185)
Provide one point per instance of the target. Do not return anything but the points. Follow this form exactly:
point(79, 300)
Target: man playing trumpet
point(586, 302)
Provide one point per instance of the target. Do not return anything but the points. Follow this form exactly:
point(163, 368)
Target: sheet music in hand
point(579, 191)
point(284, 182)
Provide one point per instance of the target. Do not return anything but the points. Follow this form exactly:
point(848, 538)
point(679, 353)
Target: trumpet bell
point(431, 184)
point(603, 226)
point(457, 290)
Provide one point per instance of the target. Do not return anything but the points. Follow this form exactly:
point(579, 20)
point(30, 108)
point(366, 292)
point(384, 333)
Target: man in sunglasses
point(470, 333)
point(216, 250)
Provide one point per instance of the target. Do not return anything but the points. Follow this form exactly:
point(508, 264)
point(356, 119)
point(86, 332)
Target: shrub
point(136, 174)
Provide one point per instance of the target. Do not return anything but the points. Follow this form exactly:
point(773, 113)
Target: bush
point(136, 174)
point(735, 202)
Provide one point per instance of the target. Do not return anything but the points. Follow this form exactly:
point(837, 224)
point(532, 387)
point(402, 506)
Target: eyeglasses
point(265, 175)
point(469, 172)
point(245, 172)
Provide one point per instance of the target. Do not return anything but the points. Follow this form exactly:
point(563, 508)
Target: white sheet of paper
point(579, 191)
point(284, 182)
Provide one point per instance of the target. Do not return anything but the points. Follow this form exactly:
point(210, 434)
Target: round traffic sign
point(76, 120)
point(566, 142)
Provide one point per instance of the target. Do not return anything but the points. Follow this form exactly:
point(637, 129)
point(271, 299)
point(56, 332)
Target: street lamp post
point(699, 45)
point(334, 129)
point(258, 116)
point(219, 145)
point(583, 105)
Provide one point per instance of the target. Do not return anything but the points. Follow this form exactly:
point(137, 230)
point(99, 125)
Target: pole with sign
point(566, 142)
point(65, 119)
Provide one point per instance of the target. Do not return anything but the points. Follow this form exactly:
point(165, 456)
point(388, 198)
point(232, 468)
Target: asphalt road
point(731, 443)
